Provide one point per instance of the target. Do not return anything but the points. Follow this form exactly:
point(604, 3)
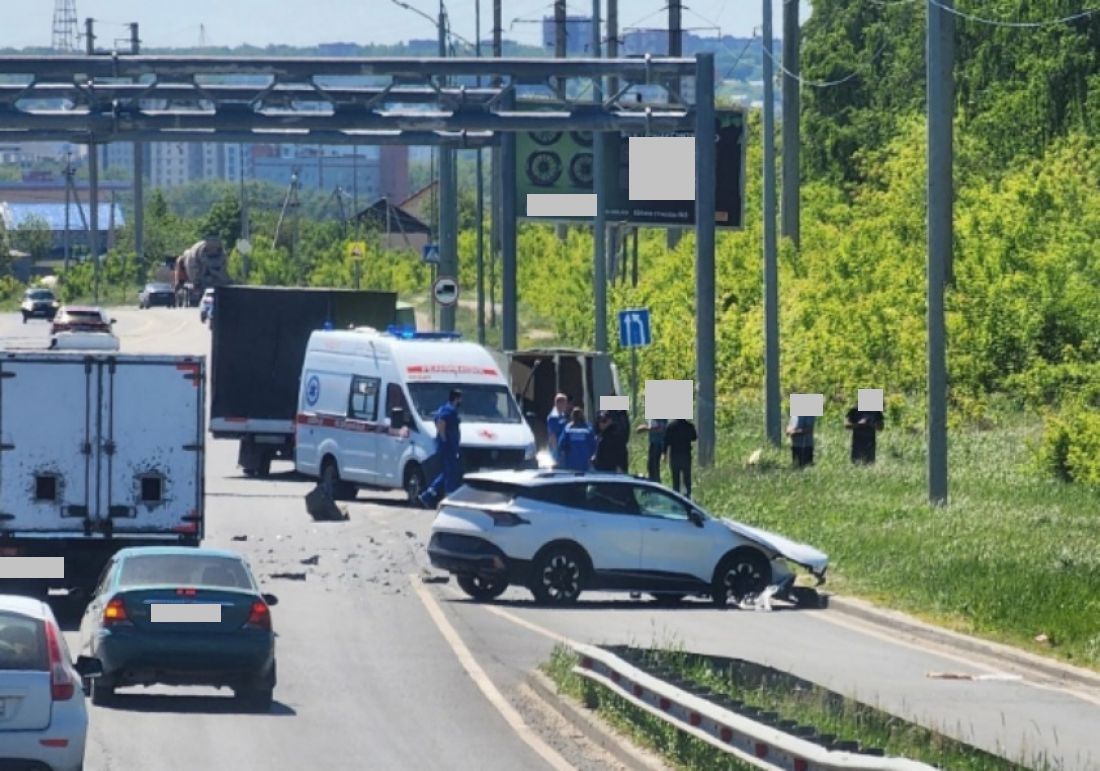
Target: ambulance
point(366, 404)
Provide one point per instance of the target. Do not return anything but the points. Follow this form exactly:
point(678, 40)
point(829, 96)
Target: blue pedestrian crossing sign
point(429, 254)
point(634, 328)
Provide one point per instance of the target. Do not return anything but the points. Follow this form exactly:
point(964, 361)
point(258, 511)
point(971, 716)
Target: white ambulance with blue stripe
point(366, 404)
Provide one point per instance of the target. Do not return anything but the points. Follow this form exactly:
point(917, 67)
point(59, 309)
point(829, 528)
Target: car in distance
point(180, 615)
point(43, 717)
point(81, 318)
point(38, 303)
point(157, 294)
point(560, 533)
point(206, 306)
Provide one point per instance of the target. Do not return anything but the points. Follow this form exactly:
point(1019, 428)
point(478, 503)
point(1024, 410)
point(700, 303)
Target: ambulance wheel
point(335, 488)
point(413, 482)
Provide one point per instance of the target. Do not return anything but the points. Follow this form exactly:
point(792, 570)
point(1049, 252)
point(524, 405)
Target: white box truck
point(98, 451)
point(366, 405)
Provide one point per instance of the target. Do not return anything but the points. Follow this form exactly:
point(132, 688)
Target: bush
point(1070, 448)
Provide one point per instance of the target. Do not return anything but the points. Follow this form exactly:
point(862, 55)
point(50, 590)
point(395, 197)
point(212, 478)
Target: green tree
point(224, 219)
point(33, 236)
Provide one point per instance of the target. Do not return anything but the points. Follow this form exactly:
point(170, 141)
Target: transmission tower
point(64, 25)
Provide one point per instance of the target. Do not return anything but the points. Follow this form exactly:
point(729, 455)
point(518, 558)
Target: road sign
point(562, 162)
point(429, 254)
point(634, 328)
point(445, 290)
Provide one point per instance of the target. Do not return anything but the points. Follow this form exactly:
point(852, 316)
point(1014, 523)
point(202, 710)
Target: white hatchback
point(559, 533)
point(43, 717)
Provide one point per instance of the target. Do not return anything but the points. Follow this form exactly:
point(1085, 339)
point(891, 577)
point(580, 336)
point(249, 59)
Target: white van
point(366, 403)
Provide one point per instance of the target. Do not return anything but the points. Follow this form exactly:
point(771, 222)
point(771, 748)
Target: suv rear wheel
point(482, 588)
point(558, 575)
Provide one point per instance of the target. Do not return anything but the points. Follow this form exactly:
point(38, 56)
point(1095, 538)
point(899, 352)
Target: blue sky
point(296, 22)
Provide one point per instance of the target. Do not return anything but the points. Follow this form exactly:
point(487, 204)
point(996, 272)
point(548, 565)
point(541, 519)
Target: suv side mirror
point(271, 599)
point(696, 518)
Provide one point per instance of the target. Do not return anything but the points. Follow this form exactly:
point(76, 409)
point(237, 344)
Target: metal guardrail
point(752, 742)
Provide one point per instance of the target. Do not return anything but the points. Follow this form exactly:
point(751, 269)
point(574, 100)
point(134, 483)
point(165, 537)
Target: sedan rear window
point(22, 643)
point(84, 316)
point(179, 570)
point(483, 492)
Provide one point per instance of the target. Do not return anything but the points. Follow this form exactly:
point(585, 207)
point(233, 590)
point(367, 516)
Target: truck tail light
point(115, 614)
point(62, 686)
point(259, 617)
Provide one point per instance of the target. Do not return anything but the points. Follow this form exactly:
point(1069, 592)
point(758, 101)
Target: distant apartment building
point(578, 34)
point(26, 154)
point(365, 172)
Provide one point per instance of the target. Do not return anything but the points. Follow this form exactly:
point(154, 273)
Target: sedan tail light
point(62, 685)
point(115, 614)
point(506, 519)
point(259, 617)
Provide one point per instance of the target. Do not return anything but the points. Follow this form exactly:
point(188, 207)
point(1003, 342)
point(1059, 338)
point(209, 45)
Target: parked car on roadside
point(43, 717)
point(181, 615)
point(81, 318)
point(206, 306)
point(157, 294)
point(560, 533)
point(38, 303)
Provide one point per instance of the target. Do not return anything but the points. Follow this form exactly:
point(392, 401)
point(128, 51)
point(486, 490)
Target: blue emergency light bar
point(410, 333)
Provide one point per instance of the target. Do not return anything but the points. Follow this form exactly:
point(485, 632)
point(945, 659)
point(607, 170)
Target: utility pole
point(706, 157)
point(675, 48)
point(68, 204)
point(508, 227)
point(772, 418)
point(790, 210)
point(480, 203)
point(448, 201)
point(244, 208)
point(940, 57)
point(139, 173)
point(89, 36)
point(614, 236)
point(599, 275)
point(496, 192)
point(93, 205)
point(561, 51)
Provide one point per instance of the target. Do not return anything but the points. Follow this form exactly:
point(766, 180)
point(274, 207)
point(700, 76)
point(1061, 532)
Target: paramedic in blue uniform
point(577, 443)
point(446, 451)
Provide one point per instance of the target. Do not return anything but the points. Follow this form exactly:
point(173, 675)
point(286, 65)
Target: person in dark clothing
point(679, 436)
point(447, 451)
point(864, 425)
point(610, 446)
point(577, 443)
point(801, 431)
point(656, 431)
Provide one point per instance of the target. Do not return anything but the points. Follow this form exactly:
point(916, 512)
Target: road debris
point(999, 676)
point(240, 538)
point(289, 576)
point(311, 560)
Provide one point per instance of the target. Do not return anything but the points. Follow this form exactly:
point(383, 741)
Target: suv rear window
point(22, 643)
point(484, 493)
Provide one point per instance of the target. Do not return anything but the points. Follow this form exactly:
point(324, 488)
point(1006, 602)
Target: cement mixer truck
point(199, 268)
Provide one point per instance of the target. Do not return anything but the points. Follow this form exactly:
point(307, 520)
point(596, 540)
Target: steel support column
point(508, 222)
point(93, 205)
point(706, 156)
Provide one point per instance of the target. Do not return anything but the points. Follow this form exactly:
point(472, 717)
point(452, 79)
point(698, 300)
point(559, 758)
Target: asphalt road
point(368, 680)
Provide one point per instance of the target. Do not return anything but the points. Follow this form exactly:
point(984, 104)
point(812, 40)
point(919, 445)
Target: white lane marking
point(477, 674)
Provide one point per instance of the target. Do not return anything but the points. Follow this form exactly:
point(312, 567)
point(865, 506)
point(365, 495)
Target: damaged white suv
point(560, 533)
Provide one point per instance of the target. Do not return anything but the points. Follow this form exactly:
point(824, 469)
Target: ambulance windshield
point(480, 403)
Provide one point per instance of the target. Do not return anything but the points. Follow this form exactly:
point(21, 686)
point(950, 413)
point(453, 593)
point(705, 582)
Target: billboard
point(549, 162)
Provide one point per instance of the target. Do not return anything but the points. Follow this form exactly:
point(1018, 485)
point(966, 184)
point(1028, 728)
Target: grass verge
point(1014, 557)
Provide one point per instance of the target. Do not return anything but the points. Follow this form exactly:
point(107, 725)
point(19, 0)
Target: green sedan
point(181, 616)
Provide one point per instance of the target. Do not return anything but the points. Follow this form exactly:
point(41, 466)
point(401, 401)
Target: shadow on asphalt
point(644, 604)
point(207, 705)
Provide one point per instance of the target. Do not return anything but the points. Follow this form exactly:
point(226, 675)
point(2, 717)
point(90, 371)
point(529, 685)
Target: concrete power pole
point(561, 51)
point(940, 57)
point(139, 173)
point(613, 236)
point(772, 419)
point(480, 203)
point(448, 203)
point(790, 211)
point(93, 176)
point(599, 230)
point(675, 48)
point(497, 189)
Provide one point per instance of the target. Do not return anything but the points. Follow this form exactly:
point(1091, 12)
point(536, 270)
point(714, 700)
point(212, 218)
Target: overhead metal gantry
point(96, 99)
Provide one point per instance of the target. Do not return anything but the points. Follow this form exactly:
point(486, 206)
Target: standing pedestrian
point(864, 425)
point(555, 422)
point(577, 443)
point(448, 454)
point(801, 431)
point(679, 436)
point(610, 445)
point(656, 431)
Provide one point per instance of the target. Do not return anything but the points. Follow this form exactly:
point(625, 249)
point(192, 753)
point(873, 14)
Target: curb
point(896, 621)
point(593, 728)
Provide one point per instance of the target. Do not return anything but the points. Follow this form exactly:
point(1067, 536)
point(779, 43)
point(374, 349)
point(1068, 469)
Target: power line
point(1015, 24)
point(822, 83)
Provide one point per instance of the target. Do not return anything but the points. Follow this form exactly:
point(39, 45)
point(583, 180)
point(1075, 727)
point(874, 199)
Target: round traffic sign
point(445, 290)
